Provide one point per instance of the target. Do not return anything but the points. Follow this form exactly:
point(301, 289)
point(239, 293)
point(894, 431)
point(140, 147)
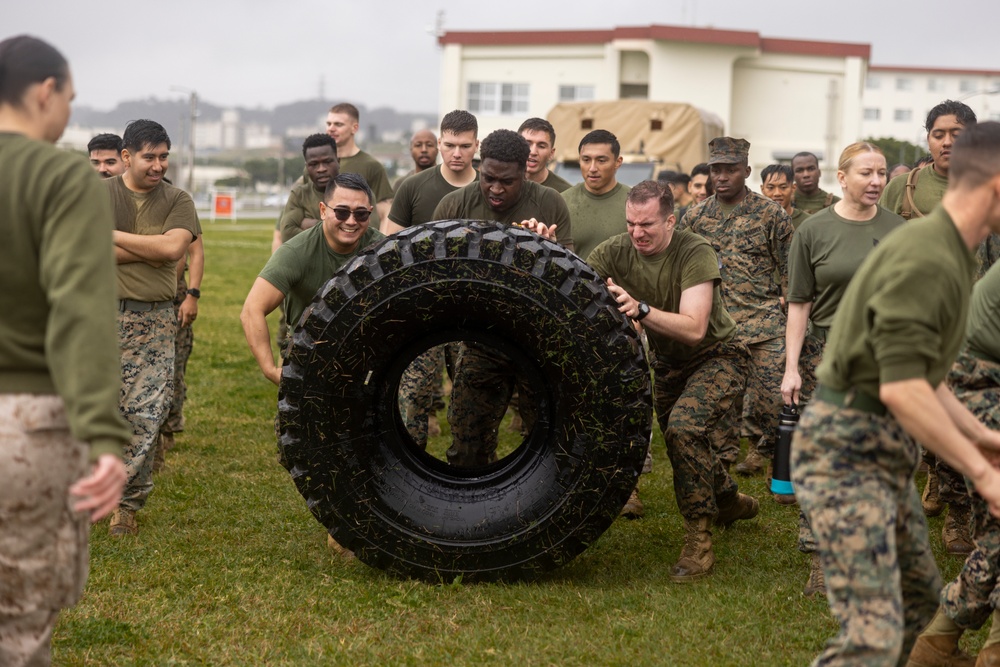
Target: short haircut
point(975, 159)
point(459, 121)
point(770, 169)
point(346, 108)
point(673, 177)
point(141, 133)
point(539, 125)
point(505, 146)
point(649, 190)
point(854, 150)
point(701, 169)
point(806, 154)
point(962, 113)
point(105, 142)
point(924, 161)
point(601, 137)
point(24, 61)
point(348, 182)
point(317, 140)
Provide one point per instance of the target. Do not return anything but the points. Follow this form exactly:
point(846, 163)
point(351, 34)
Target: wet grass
point(230, 568)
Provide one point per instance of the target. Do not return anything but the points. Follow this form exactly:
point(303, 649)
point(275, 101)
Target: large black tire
point(402, 510)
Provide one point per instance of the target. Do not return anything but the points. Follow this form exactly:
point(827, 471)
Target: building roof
point(657, 32)
point(934, 70)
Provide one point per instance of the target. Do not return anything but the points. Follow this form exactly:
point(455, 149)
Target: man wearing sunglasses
point(297, 270)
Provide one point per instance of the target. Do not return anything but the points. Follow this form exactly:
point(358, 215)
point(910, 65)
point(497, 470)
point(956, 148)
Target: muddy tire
point(400, 509)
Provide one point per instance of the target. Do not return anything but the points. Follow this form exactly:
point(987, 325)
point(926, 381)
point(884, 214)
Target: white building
point(782, 95)
point(897, 99)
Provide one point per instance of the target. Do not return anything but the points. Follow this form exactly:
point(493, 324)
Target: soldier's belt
point(853, 398)
point(142, 306)
point(818, 332)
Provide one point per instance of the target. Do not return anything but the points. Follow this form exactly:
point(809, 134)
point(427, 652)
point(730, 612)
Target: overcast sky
point(382, 53)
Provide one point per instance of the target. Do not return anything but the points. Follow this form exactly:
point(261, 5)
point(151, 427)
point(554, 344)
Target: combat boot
point(753, 464)
point(989, 656)
point(939, 651)
point(634, 508)
point(817, 580)
point(956, 531)
point(931, 498)
point(337, 549)
point(741, 508)
point(697, 559)
point(123, 523)
point(433, 426)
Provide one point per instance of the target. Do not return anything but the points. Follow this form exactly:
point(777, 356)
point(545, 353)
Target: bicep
point(696, 302)
point(263, 297)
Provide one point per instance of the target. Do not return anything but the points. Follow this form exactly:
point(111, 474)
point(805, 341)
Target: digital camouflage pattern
point(183, 343)
point(147, 346)
point(418, 389)
point(853, 476)
point(973, 595)
point(763, 397)
point(987, 254)
point(697, 404)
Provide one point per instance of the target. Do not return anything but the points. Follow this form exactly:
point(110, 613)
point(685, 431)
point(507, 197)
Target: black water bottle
point(781, 477)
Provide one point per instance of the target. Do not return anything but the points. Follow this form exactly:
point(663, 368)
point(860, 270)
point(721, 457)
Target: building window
point(935, 85)
point(872, 113)
point(966, 86)
point(903, 115)
point(873, 83)
point(904, 84)
point(498, 98)
point(576, 93)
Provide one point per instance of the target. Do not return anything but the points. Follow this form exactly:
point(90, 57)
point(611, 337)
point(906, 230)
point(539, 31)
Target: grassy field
point(230, 568)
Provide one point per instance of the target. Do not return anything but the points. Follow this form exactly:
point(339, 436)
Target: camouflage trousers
point(483, 385)
point(697, 406)
point(853, 476)
point(43, 542)
point(183, 343)
point(146, 340)
point(763, 395)
point(418, 388)
point(975, 593)
point(809, 358)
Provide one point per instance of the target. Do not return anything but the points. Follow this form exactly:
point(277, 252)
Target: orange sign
point(223, 205)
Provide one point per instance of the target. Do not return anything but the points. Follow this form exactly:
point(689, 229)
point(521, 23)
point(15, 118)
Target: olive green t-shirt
point(556, 182)
point(536, 201)
point(798, 217)
point(162, 209)
point(927, 194)
point(300, 267)
point(372, 171)
point(303, 202)
point(596, 218)
point(904, 313)
point(418, 196)
point(815, 202)
point(983, 331)
point(826, 253)
point(660, 279)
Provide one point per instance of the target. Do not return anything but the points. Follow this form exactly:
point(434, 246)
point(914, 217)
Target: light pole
point(193, 96)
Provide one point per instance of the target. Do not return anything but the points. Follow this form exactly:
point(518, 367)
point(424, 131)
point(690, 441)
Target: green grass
point(230, 568)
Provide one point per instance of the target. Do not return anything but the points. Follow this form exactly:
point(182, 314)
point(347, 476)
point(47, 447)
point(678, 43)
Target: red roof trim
point(933, 70)
point(738, 38)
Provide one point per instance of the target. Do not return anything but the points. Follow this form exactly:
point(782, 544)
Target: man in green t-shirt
point(751, 234)
point(322, 166)
point(414, 204)
point(485, 378)
point(541, 138)
point(424, 151)
point(914, 195)
point(881, 389)
point(808, 195)
point(597, 205)
point(154, 225)
point(105, 152)
point(669, 282)
point(777, 184)
point(342, 124)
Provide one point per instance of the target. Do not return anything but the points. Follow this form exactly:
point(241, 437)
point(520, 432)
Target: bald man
point(424, 151)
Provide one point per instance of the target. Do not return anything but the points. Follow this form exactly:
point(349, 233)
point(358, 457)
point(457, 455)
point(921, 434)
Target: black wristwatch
point(196, 293)
point(643, 311)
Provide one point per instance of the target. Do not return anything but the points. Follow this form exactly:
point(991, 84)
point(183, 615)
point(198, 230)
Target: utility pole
point(193, 98)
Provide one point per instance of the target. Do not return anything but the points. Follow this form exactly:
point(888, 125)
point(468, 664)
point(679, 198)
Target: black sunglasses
point(342, 213)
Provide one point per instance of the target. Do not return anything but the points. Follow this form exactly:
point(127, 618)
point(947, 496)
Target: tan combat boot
point(956, 531)
point(123, 523)
point(931, 499)
point(817, 580)
point(753, 464)
point(939, 651)
point(697, 559)
point(634, 508)
point(741, 508)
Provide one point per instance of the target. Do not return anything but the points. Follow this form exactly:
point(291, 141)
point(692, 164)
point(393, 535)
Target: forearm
point(123, 256)
point(259, 340)
point(196, 263)
point(168, 247)
point(383, 208)
point(389, 227)
point(971, 428)
point(682, 328)
point(795, 333)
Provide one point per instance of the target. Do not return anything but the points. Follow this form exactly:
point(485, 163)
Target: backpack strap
point(910, 209)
